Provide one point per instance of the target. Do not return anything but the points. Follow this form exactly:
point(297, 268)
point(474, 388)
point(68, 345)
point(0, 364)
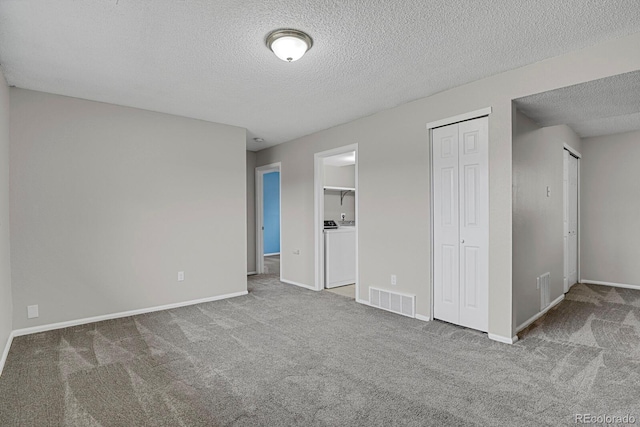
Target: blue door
point(271, 219)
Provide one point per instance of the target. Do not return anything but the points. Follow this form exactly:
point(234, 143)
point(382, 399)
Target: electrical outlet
point(180, 276)
point(394, 279)
point(548, 191)
point(32, 311)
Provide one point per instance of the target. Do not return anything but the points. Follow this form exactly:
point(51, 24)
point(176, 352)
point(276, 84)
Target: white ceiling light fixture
point(289, 45)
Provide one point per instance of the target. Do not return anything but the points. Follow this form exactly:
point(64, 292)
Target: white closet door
point(446, 264)
point(573, 221)
point(565, 192)
point(474, 223)
point(461, 223)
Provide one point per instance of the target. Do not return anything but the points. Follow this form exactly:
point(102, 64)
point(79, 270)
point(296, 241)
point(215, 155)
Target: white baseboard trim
point(423, 318)
point(540, 314)
point(302, 285)
point(53, 326)
point(502, 339)
point(251, 273)
point(362, 301)
point(272, 254)
point(5, 353)
point(616, 285)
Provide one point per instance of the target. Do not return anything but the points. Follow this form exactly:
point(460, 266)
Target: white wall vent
point(543, 285)
point(393, 301)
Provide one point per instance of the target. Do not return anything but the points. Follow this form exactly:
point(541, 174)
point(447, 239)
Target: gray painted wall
point(333, 207)
point(6, 307)
point(610, 209)
point(339, 176)
point(393, 167)
point(108, 203)
point(251, 211)
point(538, 245)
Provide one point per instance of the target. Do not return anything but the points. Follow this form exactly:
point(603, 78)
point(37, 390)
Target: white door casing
point(565, 216)
point(259, 196)
point(570, 220)
point(461, 223)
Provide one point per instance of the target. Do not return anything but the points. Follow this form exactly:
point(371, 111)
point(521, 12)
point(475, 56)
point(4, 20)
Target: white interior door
point(565, 192)
point(446, 228)
point(461, 223)
point(572, 234)
point(474, 223)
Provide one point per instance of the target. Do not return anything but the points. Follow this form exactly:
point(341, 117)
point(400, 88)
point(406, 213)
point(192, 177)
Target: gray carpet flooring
point(348, 291)
point(272, 264)
point(285, 356)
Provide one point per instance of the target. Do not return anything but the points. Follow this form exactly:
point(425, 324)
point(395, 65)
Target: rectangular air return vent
point(393, 301)
point(543, 285)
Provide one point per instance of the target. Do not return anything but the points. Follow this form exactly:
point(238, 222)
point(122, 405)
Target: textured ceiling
point(207, 59)
point(599, 107)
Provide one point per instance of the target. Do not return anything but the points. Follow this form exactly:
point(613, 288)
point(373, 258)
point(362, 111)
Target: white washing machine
point(339, 256)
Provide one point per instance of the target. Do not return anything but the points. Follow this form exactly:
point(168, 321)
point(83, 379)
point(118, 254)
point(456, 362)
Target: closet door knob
point(462, 241)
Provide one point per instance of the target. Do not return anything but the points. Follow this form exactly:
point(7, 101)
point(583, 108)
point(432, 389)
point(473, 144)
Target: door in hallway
point(570, 220)
point(461, 223)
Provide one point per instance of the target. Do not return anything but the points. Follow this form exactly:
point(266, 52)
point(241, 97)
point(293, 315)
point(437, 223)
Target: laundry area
point(340, 224)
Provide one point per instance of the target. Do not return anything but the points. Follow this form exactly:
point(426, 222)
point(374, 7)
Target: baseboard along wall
point(77, 322)
point(5, 353)
point(302, 285)
point(540, 314)
point(60, 325)
point(615, 285)
point(505, 340)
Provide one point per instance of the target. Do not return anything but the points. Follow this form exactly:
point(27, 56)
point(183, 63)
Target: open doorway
point(571, 190)
point(268, 220)
point(573, 168)
point(336, 219)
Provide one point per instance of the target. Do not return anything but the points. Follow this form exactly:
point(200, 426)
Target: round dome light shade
point(289, 45)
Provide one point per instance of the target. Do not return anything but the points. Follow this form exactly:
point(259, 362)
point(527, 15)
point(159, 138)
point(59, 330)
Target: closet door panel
point(474, 223)
point(446, 264)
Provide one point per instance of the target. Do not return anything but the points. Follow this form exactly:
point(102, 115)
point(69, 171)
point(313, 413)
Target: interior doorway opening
point(336, 221)
point(571, 213)
point(268, 219)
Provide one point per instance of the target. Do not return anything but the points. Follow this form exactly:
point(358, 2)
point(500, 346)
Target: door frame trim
point(459, 118)
point(318, 184)
point(471, 115)
point(573, 152)
point(259, 188)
